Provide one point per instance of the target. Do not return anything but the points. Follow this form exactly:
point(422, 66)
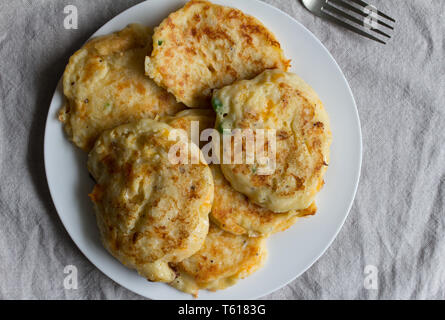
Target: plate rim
point(356, 175)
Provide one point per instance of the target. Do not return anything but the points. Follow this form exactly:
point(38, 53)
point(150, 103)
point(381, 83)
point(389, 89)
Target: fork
point(332, 10)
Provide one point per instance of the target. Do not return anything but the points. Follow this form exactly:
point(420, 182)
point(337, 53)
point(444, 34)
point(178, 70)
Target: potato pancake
point(233, 212)
point(221, 262)
point(150, 211)
point(205, 46)
point(296, 155)
point(105, 86)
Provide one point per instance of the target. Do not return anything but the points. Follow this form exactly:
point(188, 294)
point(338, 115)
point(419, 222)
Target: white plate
point(291, 252)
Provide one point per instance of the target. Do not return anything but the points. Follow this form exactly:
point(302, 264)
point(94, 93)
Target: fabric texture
point(397, 222)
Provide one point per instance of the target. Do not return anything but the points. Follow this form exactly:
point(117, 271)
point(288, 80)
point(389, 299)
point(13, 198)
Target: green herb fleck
point(220, 128)
point(160, 42)
point(107, 105)
point(253, 170)
point(217, 104)
point(223, 130)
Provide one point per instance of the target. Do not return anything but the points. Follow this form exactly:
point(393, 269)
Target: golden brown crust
point(223, 259)
point(233, 212)
point(205, 46)
point(283, 102)
point(105, 86)
point(286, 224)
point(150, 212)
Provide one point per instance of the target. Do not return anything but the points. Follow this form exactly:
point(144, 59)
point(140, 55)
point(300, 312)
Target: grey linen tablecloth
point(396, 224)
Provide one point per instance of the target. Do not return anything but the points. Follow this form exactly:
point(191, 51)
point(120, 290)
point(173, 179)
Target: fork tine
point(364, 4)
point(358, 11)
point(353, 19)
point(333, 19)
